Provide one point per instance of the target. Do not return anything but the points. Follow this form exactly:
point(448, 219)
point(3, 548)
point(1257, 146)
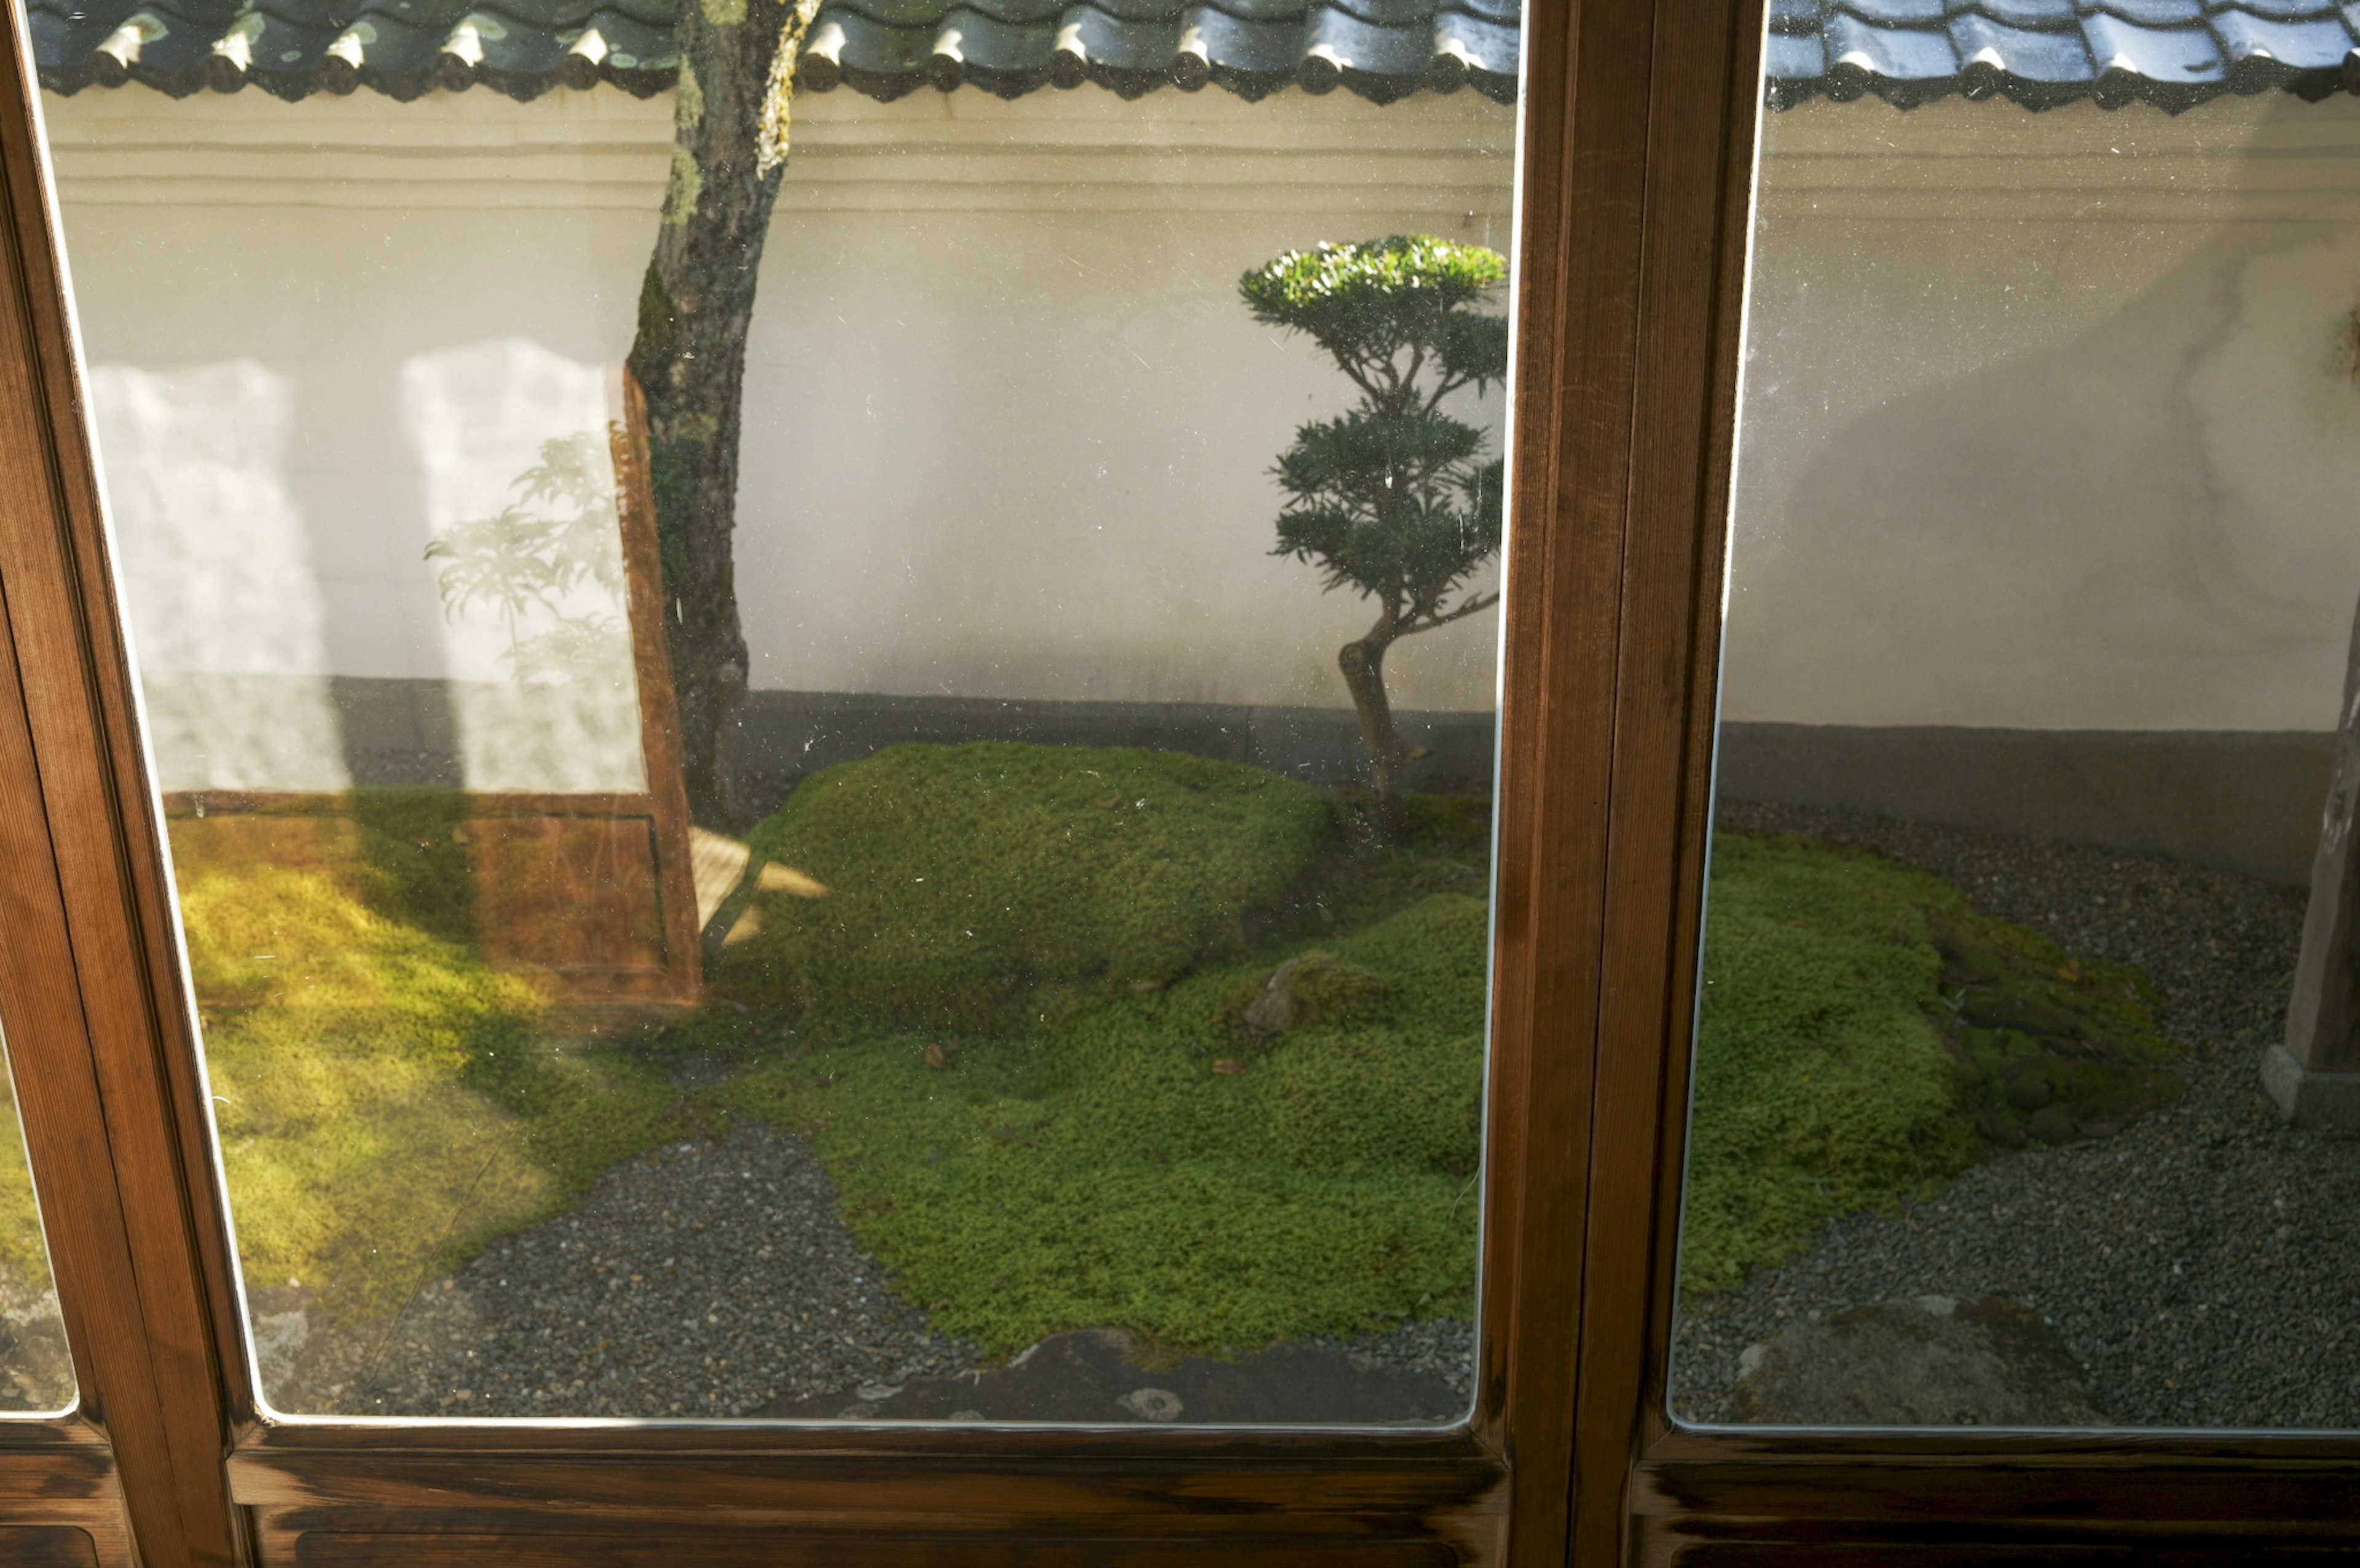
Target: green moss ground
point(1097, 1169)
point(1075, 934)
point(385, 1102)
point(963, 876)
point(1090, 925)
point(1865, 1034)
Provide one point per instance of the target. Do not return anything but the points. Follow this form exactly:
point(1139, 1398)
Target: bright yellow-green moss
point(384, 1105)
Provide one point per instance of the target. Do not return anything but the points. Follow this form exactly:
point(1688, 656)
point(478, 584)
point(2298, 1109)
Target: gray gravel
point(701, 1279)
point(1442, 1346)
point(35, 1369)
point(2201, 1265)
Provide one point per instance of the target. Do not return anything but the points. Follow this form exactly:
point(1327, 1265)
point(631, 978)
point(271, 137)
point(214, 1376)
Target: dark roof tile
point(2150, 13)
point(1411, 15)
point(2302, 45)
point(2047, 15)
point(1860, 49)
point(1894, 13)
point(2172, 56)
point(1381, 49)
point(1795, 62)
point(2174, 53)
point(2272, 10)
point(1994, 58)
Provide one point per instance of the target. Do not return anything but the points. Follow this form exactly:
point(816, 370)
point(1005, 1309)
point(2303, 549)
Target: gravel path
point(1442, 1346)
point(2203, 1263)
point(701, 1279)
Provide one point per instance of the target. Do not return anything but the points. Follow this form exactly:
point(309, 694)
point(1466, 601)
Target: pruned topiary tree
point(1395, 498)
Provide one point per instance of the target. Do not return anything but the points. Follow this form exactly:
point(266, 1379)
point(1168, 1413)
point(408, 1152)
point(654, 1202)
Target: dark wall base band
point(2242, 800)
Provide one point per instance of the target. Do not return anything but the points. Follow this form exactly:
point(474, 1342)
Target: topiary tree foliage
point(1395, 499)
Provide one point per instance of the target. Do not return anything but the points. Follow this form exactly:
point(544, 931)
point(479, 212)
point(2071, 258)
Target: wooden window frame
point(1638, 122)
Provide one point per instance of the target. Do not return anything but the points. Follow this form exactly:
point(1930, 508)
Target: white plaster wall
point(1007, 429)
point(2050, 420)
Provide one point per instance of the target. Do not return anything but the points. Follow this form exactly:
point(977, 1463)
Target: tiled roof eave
point(1380, 50)
point(2173, 54)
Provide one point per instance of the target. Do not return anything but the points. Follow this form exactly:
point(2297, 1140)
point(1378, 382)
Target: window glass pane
point(809, 853)
point(2023, 1082)
point(36, 1371)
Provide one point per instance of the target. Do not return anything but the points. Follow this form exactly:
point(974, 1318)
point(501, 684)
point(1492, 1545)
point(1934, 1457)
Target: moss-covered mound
point(1864, 1033)
point(1149, 1160)
point(384, 1105)
point(958, 877)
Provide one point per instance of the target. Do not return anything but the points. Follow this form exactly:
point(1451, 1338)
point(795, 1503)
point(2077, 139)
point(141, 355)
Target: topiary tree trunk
point(696, 306)
point(1363, 664)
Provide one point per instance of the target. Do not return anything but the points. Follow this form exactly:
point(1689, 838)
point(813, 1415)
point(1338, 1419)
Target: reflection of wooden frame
point(1637, 123)
point(635, 513)
point(575, 890)
point(592, 895)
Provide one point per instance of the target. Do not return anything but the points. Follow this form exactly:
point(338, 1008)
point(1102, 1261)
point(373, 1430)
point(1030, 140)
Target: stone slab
point(2320, 1102)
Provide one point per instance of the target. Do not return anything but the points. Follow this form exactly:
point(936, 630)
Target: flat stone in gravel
point(1934, 1361)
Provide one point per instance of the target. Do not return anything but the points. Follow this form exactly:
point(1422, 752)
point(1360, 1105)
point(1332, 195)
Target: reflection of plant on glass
point(1395, 498)
point(527, 561)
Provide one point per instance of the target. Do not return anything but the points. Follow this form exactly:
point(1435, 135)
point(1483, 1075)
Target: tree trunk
point(1363, 663)
point(689, 357)
point(2323, 1014)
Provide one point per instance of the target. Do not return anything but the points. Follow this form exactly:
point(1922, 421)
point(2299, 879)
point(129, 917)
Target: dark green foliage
point(960, 876)
point(1851, 1050)
point(2051, 1048)
point(1324, 989)
point(1393, 498)
point(1079, 1161)
point(1389, 507)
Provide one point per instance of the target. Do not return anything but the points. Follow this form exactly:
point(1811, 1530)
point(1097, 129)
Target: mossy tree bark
point(689, 358)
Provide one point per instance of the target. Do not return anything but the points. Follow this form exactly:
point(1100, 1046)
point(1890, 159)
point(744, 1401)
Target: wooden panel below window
point(47, 1546)
point(2073, 1555)
point(782, 1549)
point(61, 1501)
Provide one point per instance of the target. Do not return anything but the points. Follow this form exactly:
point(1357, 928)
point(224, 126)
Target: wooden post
point(2314, 1076)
